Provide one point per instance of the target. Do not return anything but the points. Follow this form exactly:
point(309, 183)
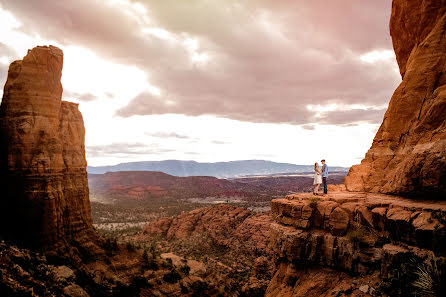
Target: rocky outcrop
point(315, 282)
point(366, 234)
point(226, 225)
point(408, 154)
point(45, 196)
point(233, 243)
point(362, 234)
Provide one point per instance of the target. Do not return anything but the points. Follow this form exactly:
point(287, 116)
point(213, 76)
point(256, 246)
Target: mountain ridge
point(217, 169)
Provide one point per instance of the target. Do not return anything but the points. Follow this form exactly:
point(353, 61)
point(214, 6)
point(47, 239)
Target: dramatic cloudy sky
point(216, 80)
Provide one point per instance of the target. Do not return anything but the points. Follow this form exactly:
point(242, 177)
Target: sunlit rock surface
point(408, 154)
point(44, 186)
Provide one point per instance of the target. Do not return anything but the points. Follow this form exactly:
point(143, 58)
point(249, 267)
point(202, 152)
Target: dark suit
point(324, 177)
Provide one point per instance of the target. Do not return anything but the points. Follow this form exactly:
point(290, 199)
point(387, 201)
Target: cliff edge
point(408, 154)
point(362, 242)
point(43, 177)
point(353, 244)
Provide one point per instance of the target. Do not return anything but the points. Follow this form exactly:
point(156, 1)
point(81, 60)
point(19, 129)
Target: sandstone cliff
point(408, 154)
point(44, 186)
point(348, 243)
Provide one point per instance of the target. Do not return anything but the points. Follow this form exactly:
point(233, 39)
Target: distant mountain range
point(219, 169)
point(150, 184)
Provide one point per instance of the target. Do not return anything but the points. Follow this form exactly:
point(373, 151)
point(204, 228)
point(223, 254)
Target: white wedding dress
point(317, 179)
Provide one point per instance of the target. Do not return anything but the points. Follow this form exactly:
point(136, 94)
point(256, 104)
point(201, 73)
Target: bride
point(317, 179)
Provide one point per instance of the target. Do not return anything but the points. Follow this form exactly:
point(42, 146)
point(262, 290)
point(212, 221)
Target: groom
point(324, 175)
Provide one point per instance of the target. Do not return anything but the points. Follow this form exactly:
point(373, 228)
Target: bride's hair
point(316, 166)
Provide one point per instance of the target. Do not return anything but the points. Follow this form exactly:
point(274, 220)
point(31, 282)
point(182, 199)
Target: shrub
point(314, 201)
point(154, 250)
point(431, 279)
point(199, 288)
point(145, 257)
point(133, 289)
point(172, 277)
point(439, 240)
point(110, 246)
point(358, 235)
point(185, 269)
point(399, 280)
point(167, 263)
point(184, 290)
point(414, 277)
point(149, 262)
point(130, 247)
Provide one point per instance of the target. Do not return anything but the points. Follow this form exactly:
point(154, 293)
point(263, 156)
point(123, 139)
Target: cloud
point(308, 127)
point(266, 60)
point(6, 55)
point(220, 142)
point(124, 149)
point(168, 135)
point(3, 74)
point(86, 97)
point(6, 51)
point(346, 117)
point(192, 153)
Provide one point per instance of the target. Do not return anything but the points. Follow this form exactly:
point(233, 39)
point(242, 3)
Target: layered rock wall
point(408, 154)
point(44, 185)
point(359, 233)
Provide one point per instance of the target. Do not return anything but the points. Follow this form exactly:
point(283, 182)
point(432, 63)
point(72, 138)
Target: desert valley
point(242, 228)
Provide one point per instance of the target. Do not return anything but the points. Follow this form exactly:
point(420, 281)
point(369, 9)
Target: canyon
point(230, 241)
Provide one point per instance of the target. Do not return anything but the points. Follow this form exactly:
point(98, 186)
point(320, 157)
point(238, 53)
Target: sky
point(216, 80)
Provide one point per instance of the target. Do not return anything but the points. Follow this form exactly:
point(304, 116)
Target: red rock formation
point(408, 154)
point(233, 240)
point(227, 226)
point(45, 195)
point(358, 233)
point(313, 282)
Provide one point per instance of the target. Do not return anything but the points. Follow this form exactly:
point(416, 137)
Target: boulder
point(322, 212)
point(74, 290)
point(159, 227)
point(424, 225)
point(365, 216)
point(398, 223)
point(378, 217)
point(62, 273)
point(338, 221)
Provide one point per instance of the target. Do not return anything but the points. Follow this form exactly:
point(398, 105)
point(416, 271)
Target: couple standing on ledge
point(320, 177)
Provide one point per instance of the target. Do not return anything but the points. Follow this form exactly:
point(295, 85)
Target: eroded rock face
point(363, 234)
point(408, 154)
point(227, 225)
point(45, 197)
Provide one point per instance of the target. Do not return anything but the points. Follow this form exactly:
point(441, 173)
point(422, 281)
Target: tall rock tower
point(44, 194)
point(408, 154)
